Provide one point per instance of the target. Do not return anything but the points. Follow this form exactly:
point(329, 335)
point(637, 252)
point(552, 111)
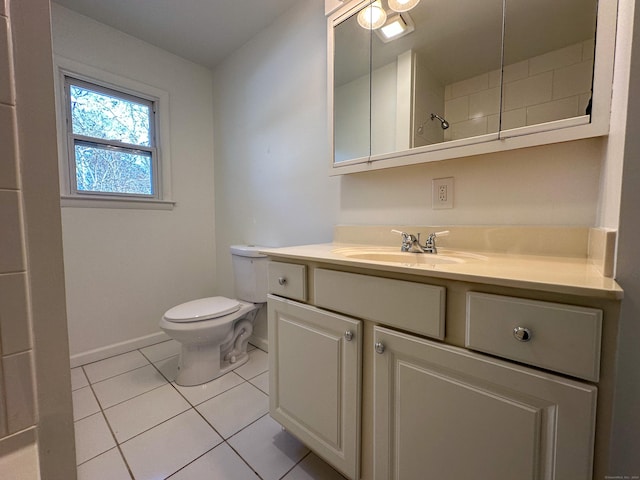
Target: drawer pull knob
point(522, 334)
point(348, 335)
point(379, 347)
point(282, 280)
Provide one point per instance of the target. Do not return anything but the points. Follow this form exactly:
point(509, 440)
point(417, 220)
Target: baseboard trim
point(261, 343)
point(117, 348)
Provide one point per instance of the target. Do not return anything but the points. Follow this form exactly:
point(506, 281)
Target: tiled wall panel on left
point(17, 410)
point(8, 166)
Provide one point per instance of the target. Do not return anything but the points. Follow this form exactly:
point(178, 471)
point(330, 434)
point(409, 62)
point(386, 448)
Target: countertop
point(568, 275)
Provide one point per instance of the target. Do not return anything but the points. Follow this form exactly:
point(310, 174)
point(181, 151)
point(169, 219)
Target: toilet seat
point(202, 309)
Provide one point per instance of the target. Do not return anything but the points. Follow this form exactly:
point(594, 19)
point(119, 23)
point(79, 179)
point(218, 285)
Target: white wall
point(626, 436)
point(271, 160)
point(352, 137)
point(429, 99)
point(550, 185)
point(124, 268)
point(610, 182)
point(352, 113)
point(285, 148)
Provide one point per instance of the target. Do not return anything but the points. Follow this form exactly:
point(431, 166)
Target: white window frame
point(126, 88)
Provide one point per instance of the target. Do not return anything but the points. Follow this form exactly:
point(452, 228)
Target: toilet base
point(200, 364)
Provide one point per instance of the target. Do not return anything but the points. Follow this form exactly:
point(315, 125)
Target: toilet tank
point(249, 273)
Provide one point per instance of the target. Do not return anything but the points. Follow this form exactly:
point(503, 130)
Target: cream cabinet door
point(445, 413)
point(315, 360)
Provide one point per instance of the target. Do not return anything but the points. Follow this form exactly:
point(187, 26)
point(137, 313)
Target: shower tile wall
point(545, 88)
point(17, 412)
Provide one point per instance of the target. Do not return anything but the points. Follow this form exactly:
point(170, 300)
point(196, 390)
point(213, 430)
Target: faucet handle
point(400, 233)
point(406, 237)
point(430, 246)
point(432, 236)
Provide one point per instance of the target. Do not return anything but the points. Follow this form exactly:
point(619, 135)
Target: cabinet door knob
point(379, 347)
point(348, 335)
point(522, 334)
point(282, 280)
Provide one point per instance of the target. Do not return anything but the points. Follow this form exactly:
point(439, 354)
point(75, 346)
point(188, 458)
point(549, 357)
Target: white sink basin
point(403, 258)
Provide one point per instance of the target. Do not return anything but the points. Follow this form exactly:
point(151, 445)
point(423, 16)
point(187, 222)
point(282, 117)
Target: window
point(111, 140)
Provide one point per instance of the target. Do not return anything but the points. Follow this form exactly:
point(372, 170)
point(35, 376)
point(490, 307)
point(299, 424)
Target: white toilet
point(214, 331)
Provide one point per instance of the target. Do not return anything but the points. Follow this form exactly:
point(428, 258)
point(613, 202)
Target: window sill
point(108, 202)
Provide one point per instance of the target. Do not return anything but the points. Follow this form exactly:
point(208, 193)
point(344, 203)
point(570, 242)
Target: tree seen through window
point(113, 144)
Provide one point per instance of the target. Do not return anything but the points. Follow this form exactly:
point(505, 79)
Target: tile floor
point(133, 422)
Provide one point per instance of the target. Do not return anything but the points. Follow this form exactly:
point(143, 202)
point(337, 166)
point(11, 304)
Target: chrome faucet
point(411, 243)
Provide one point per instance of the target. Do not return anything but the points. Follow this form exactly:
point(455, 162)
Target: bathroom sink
point(403, 258)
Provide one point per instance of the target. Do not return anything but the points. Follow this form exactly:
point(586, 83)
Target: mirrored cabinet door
point(458, 52)
point(351, 90)
point(548, 62)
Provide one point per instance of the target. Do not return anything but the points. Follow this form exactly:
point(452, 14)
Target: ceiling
point(203, 31)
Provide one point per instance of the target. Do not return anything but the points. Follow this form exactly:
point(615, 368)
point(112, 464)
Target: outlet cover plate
point(442, 193)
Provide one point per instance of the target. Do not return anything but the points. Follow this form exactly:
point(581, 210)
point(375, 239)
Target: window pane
point(99, 115)
point(113, 171)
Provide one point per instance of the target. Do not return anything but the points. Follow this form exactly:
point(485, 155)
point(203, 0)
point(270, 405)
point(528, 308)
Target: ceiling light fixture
point(397, 26)
point(402, 5)
point(373, 16)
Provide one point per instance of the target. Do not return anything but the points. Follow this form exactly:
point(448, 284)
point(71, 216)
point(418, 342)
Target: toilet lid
point(202, 309)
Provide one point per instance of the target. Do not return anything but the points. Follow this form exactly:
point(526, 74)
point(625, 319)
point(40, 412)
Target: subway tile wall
point(552, 86)
point(17, 411)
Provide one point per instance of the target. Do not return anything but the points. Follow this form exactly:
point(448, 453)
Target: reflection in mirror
point(443, 88)
point(418, 78)
point(548, 58)
point(449, 75)
point(351, 97)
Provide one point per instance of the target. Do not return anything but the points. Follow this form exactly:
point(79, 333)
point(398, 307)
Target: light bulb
point(402, 5)
point(394, 28)
point(373, 16)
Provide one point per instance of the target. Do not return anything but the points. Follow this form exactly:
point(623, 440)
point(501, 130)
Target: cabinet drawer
point(411, 306)
point(288, 280)
point(563, 338)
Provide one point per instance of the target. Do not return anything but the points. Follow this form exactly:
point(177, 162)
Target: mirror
point(548, 61)
point(454, 79)
point(352, 91)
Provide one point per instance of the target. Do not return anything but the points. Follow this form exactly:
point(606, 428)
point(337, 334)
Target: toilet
point(214, 331)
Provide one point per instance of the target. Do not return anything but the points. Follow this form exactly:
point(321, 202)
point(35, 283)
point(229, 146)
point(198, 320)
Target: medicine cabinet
point(458, 78)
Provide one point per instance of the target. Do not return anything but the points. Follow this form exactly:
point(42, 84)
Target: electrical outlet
point(442, 192)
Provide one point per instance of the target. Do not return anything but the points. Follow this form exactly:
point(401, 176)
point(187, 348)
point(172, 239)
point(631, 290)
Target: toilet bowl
point(214, 331)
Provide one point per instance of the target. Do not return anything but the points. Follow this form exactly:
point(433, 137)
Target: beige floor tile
point(84, 403)
point(313, 468)
point(258, 363)
point(220, 463)
point(160, 351)
point(107, 466)
point(92, 438)
point(200, 393)
point(145, 411)
point(268, 449)
point(127, 385)
point(165, 449)
point(113, 366)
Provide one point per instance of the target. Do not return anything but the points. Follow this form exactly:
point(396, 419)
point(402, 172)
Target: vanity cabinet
point(315, 364)
point(444, 412)
point(376, 372)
